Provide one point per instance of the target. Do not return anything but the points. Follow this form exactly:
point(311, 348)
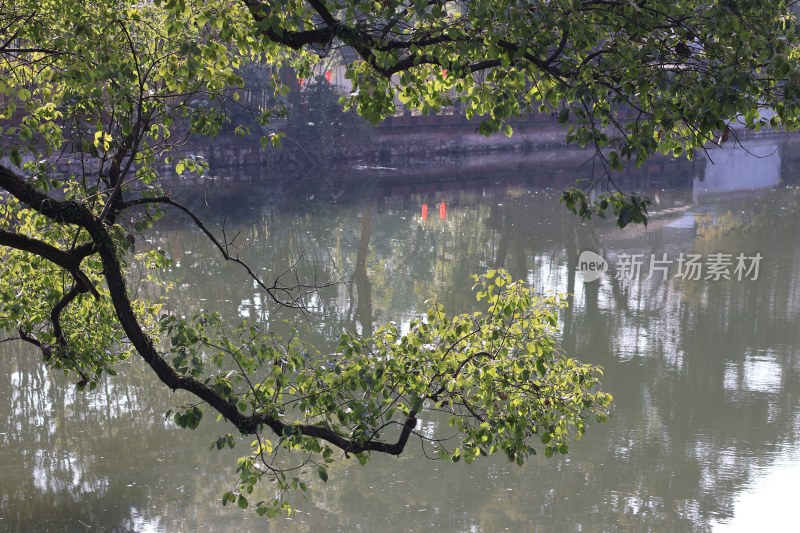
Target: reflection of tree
point(56, 476)
point(361, 277)
point(683, 345)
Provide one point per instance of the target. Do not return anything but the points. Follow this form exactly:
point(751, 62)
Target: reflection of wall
point(736, 169)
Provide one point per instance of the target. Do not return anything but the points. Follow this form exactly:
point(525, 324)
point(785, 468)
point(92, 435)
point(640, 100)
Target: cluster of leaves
point(80, 336)
point(496, 374)
point(123, 80)
point(630, 79)
point(626, 208)
point(94, 102)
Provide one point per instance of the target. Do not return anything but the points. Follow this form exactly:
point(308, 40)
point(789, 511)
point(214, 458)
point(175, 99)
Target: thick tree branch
point(293, 39)
point(63, 211)
point(365, 44)
point(55, 316)
point(69, 261)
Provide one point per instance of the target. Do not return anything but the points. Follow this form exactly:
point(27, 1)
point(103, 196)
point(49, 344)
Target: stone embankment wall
point(407, 140)
point(399, 141)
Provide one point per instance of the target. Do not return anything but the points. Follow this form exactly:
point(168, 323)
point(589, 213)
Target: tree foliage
point(98, 97)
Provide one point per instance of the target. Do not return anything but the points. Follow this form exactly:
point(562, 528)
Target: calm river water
point(705, 372)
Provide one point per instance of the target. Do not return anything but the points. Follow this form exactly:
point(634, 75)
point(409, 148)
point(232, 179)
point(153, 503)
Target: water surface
point(705, 373)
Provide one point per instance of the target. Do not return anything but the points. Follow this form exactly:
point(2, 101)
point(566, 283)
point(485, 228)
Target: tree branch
point(274, 290)
point(293, 39)
point(69, 261)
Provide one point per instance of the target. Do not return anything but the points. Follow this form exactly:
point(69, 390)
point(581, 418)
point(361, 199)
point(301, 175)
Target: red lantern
point(424, 211)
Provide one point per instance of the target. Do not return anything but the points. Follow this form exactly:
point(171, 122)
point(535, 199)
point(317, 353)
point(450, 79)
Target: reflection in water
point(704, 373)
point(740, 168)
point(766, 505)
point(761, 372)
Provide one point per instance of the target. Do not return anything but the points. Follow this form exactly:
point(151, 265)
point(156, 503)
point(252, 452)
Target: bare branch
point(291, 296)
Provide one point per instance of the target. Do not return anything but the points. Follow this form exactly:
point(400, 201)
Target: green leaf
point(242, 502)
point(16, 158)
